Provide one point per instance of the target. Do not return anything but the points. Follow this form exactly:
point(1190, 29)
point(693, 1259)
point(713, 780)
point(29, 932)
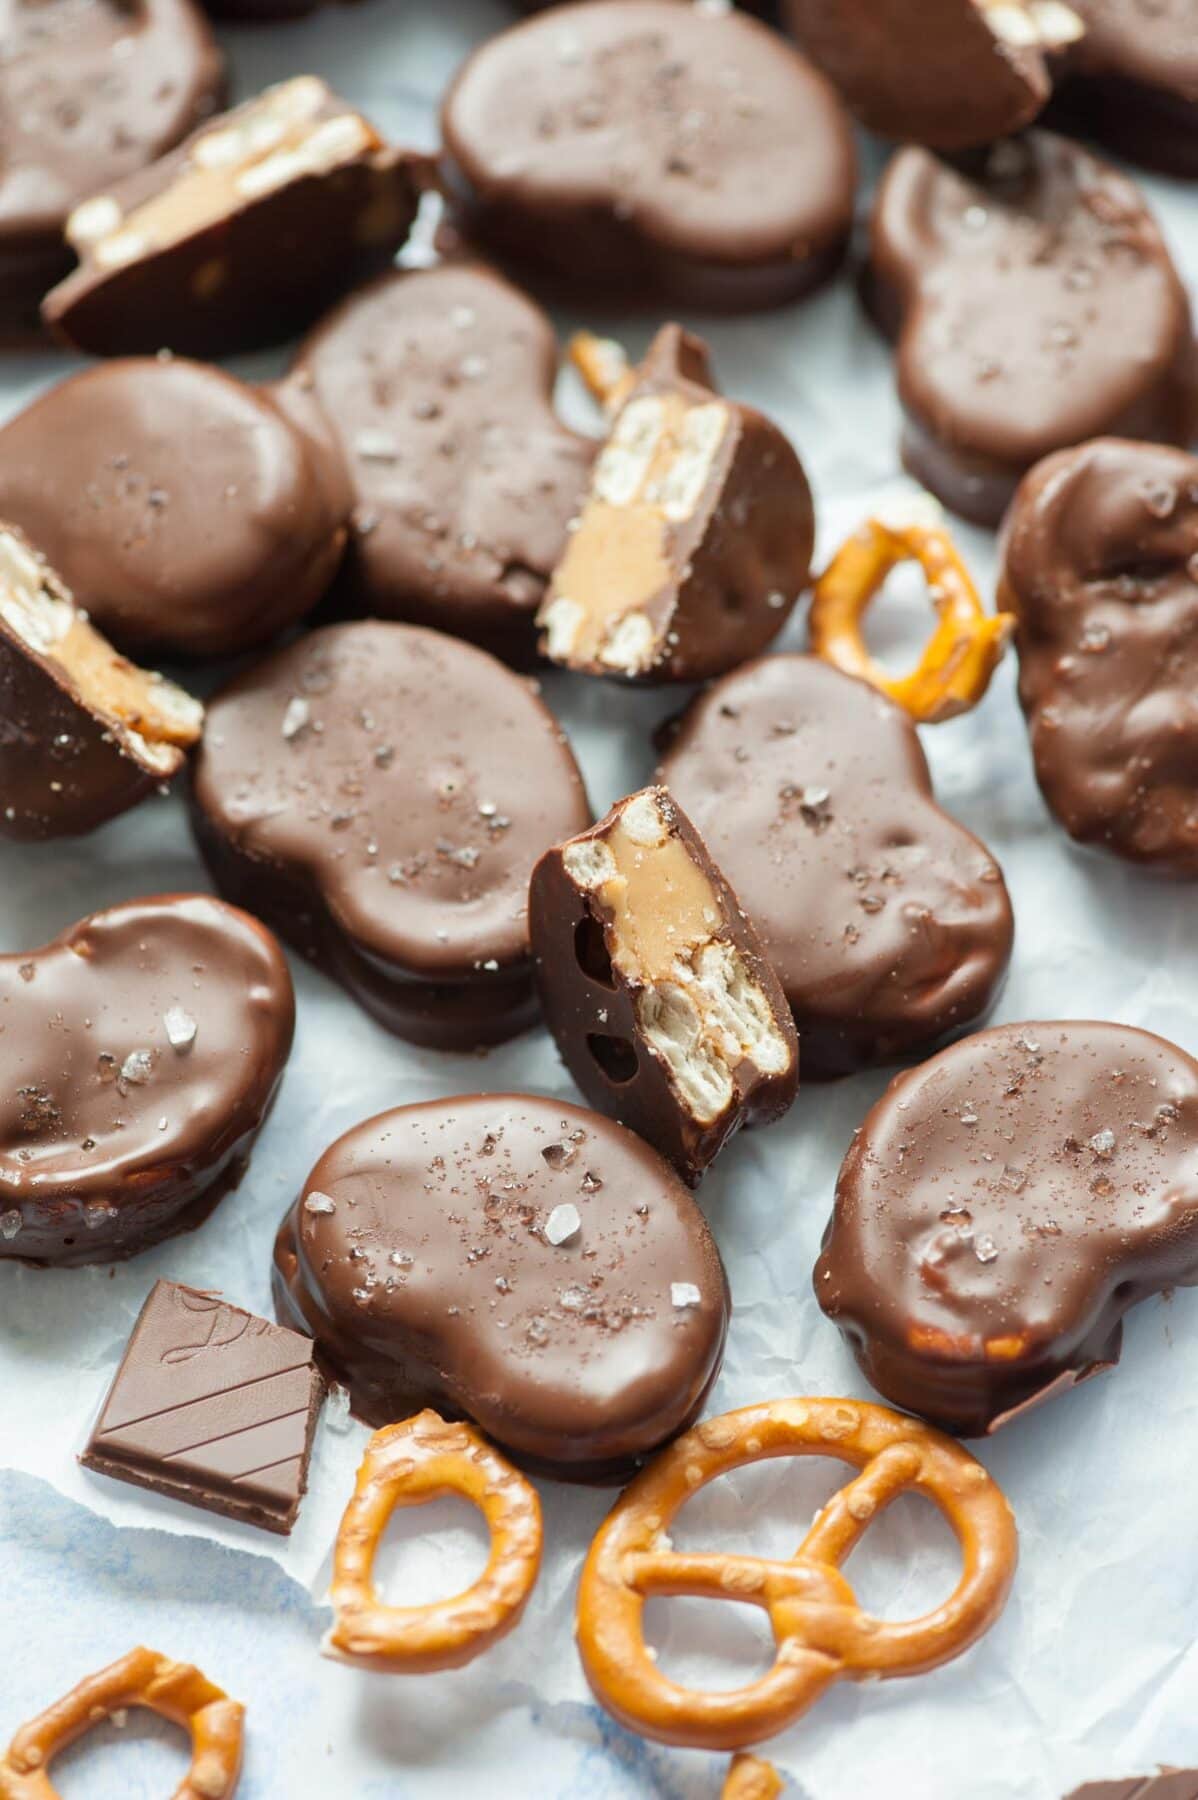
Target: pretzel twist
point(821, 1633)
point(963, 651)
point(421, 1459)
point(142, 1678)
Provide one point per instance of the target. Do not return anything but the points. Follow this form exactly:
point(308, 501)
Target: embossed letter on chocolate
point(90, 90)
point(212, 1406)
point(957, 74)
point(887, 922)
point(1001, 1208)
point(140, 1052)
point(653, 148)
point(186, 511)
point(439, 386)
point(695, 539)
point(380, 794)
point(241, 235)
point(655, 986)
point(83, 734)
point(1099, 566)
point(1035, 304)
point(515, 1261)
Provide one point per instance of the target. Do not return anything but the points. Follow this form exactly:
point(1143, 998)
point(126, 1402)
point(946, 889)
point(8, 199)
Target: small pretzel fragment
point(822, 1634)
point(176, 1691)
point(749, 1778)
point(963, 651)
point(426, 1458)
point(603, 364)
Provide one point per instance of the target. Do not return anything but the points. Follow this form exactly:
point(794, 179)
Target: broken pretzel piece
point(240, 236)
point(175, 1691)
point(695, 538)
point(425, 1458)
point(968, 643)
point(655, 985)
point(750, 1778)
point(84, 734)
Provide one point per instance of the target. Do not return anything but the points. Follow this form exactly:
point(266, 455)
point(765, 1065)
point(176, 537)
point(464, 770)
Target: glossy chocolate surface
point(212, 1406)
point(656, 987)
point(239, 237)
point(887, 922)
point(955, 86)
point(1035, 305)
point(1001, 1208)
point(380, 793)
point(188, 514)
point(1100, 567)
point(418, 1257)
point(90, 90)
point(653, 148)
point(140, 1052)
point(439, 386)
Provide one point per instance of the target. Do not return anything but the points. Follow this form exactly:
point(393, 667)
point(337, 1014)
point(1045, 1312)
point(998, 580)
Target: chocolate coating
point(379, 794)
point(90, 90)
point(140, 1052)
point(887, 922)
point(1133, 81)
point(439, 386)
point(417, 1257)
point(212, 1406)
point(1001, 1208)
point(1169, 1784)
point(1099, 566)
point(655, 985)
point(1036, 305)
point(957, 85)
point(186, 511)
point(653, 148)
point(239, 237)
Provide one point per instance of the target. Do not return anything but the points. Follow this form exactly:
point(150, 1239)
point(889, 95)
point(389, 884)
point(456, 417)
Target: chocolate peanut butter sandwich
point(379, 794)
point(1100, 556)
point(90, 92)
point(695, 537)
point(958, 74)
point(189, 513)
point(515, 1261)
point(1133, 81)
point(887, 923)
point(84, 734)
point(140, 1053)
point(438, 385)
point(211, 1406)
point(1003, 1206)
point(655, 986)
point(1035, 304)
point(242, 235)
point(652, 149)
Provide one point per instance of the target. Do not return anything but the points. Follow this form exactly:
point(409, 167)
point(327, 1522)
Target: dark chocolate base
point(1156, 129)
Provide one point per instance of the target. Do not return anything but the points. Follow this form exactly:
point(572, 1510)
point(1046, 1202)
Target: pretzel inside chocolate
point(426, 1458)
point(821, 1632)
point(176, 1691)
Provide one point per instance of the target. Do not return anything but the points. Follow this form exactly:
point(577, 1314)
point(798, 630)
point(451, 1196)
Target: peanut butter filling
point(278, 139)
point(156, 718)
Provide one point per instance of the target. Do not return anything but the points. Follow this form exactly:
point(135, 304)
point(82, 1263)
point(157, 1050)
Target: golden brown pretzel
point(749, 1778)
point(968, 643)
point(424, 1458)
point(142, 1678)
point(821, 1633)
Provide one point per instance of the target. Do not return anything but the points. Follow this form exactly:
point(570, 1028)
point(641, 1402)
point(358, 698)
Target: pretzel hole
point(712, 1645)
point(781, 1497)
point(616, 1057)
point(908, 1561)
point(147, 1755)
point(590, 950)
point(898, 620)
point(431, 1552)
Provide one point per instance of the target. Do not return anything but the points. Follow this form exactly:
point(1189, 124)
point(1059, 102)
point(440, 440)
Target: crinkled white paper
point(1092, 1670)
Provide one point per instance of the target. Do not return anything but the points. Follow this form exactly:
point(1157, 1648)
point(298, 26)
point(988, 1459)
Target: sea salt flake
point(180, 1028)
point(317, 1202)
point(563, 1224)
point(684, 1294)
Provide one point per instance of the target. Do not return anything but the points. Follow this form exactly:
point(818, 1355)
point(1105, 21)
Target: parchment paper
point(1092, 1670)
